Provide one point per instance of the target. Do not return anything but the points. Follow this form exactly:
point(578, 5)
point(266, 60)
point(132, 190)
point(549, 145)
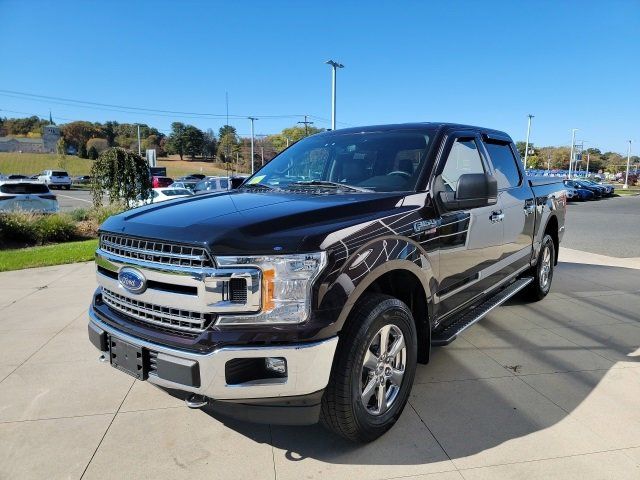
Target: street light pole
point(573, 141)
point(334, 66)
point(526, 147)
point(252, 119)
point(626, 177)
point(139, 148)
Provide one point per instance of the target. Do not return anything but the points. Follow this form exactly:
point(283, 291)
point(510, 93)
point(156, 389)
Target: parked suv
point(55, 179)
point(315, 289)
point(212, 184)
point(27, 196)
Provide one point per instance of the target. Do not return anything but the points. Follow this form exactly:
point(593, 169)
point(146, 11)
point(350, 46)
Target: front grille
point(155, 252)
point(157, 315)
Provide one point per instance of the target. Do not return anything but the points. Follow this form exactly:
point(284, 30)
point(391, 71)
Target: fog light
point(276, 364)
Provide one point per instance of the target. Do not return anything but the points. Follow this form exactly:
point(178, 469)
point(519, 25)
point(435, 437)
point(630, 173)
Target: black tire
point(67, 187)
point(539, 288)
point(343, 412)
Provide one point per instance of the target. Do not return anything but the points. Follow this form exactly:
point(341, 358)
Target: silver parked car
point(23, 195)
point(212, 184)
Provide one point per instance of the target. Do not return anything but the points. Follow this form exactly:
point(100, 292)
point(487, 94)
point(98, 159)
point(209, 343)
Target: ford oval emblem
point(132, 280)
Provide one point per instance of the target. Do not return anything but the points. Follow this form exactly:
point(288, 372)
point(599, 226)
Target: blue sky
point(573, 64)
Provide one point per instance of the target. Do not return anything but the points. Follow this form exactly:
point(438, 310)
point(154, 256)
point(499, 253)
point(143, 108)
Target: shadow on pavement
point(581, 332)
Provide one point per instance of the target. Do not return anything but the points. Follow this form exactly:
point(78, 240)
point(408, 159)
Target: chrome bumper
point(308, 367)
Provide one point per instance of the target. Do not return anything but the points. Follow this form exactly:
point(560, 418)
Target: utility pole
point(262, 155)
point(626, 177)
point(334, 66)
point(252, 119)
point(588, 158)
point(548, 163)
point(306, 126)
point(526, 147)
point(573, 141)
point(139, 147)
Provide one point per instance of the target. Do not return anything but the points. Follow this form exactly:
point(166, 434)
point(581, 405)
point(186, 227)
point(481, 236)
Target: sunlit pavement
point(545, 390)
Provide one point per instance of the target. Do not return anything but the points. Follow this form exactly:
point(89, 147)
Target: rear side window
point(24, 188)
point(224, 183)
point(504, 163)
point(463, 158)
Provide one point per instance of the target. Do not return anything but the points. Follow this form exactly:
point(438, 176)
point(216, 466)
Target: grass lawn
point(32, 163)
point(44, 256)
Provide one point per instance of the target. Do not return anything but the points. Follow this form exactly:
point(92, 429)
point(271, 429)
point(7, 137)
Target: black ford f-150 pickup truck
point(312, 291)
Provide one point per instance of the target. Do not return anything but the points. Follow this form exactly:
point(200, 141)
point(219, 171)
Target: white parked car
point(55, 179)
point(164, 194)
point(27, 196)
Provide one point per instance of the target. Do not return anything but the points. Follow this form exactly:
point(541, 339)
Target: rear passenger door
point(517, 202)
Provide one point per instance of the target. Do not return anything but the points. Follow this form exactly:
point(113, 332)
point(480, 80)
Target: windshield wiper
point(327, 184)
point(258, 186)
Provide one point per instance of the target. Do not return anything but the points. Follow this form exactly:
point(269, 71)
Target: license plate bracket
point(128, 358)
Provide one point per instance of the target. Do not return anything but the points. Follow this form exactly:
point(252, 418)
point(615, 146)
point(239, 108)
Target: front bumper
point(308, 366)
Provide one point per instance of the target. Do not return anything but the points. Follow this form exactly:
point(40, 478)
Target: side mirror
point(236, 182)
point(474, 190)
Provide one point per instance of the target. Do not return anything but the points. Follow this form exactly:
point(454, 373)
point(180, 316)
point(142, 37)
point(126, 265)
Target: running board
point(451, 331)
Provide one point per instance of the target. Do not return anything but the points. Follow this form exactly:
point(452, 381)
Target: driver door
point(470, 241)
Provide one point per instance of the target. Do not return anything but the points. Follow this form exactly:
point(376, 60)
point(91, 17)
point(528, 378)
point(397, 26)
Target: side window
point(504, 163)
point(463, 158)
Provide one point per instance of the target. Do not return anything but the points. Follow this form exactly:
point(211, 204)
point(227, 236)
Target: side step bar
point(451, 331)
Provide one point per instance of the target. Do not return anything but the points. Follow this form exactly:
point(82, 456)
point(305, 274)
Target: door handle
point(496, 216)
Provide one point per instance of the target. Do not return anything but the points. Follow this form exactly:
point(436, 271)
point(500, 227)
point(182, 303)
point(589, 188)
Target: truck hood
point(242, 223)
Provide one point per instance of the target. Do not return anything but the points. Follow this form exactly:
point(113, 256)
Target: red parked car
point(160, 182)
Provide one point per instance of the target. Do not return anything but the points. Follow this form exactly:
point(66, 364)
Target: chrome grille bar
point(178, 319)
point(162, 253)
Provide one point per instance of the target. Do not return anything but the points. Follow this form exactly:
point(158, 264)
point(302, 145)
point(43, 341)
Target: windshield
point(176, 191)
point(59, 173)
point(24, 188)
point(372, 161)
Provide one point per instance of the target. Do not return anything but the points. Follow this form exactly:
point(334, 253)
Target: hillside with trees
point(229, 151)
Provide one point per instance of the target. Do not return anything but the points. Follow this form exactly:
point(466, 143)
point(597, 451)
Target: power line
point(125, 108)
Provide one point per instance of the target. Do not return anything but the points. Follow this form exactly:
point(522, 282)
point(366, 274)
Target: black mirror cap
point(474, 190)
point(236, 182)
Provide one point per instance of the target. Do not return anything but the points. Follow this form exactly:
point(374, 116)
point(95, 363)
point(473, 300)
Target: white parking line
point(74, 198)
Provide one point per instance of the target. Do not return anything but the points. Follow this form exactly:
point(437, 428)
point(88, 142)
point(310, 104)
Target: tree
point(100, 144)
point(82, 151)
point(194, 141)
point(291, 135)
point(78, 133)
point(209, 148)
point(122, 174)
point(176, 142)
point(93, 152)
point(61, 150)
point(227, 130)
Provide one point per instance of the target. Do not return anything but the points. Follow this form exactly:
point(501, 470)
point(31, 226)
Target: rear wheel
point(373, 370)
point(543, 271)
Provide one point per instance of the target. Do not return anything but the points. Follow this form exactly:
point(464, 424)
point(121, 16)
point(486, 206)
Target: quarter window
point(463, 158)
point(504, 163)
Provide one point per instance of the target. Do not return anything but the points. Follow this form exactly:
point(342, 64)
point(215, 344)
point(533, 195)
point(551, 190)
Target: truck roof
point(443, 126)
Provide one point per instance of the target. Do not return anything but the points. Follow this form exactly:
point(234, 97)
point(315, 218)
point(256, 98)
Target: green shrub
point(56, 228)
point(28, 228)
point(80, 214)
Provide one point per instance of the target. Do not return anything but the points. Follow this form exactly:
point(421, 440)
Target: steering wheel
point(400, 172)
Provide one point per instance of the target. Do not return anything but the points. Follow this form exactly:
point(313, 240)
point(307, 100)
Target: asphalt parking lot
point(69, 200)
point(609, 226)
point(544, 390)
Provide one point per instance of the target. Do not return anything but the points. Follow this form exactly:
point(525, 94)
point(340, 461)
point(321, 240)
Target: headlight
point(286, 287)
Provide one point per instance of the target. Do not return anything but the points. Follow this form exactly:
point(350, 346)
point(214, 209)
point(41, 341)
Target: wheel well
point(406, 287)
point(552, 230)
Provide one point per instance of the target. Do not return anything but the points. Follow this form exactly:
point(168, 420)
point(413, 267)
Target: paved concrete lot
point(546, 390)
point(609, 226)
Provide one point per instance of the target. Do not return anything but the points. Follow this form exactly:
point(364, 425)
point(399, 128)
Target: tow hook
point(196, 401)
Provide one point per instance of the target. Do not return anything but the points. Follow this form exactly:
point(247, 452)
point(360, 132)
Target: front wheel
point(373, 371)
point(543, 271)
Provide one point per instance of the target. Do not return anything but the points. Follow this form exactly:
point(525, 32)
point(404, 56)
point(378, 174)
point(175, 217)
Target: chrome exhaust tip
point(196, 401)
